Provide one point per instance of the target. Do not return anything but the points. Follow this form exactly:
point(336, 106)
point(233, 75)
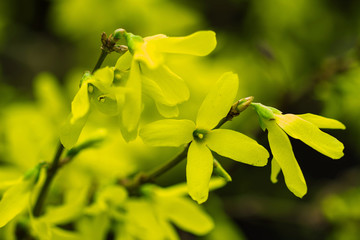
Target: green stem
point(101, 59)
point(167, 166)
point(56, 164)
point(49, 177)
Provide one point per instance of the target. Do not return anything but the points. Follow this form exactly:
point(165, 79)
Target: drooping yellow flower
point(149, 74)
point(96, 88)
point(304, 127)
point(204, 138)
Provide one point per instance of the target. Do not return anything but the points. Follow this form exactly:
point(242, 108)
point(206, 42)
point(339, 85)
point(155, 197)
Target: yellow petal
point(185, 214)
point(199, 43)
point(198, 171)
point(70, 132)
point(148, 53)
point(181, 188)
point(132, 105)
point(218, 101)
point(168, 132)
point(171, 87)
point(167, 111)
point(237, 146)
point(275, 170)
point(311, 135)
point(105, 76)
point(80, 105)
point(322, 122)
point(282, 151)
point(124, 62)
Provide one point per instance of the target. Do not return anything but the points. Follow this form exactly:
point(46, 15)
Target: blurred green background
point(299, 56)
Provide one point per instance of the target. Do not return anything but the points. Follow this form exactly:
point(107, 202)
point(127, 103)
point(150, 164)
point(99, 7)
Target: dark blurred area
point(298, 56)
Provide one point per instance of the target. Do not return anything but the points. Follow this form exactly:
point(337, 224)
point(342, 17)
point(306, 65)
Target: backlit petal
point(168, 132)
point(311, 135)
point(185, 214)
point(132, 105)
point(282, 151)
point(171, 87)
point(199, 43)
point(237, 146)
point(322, 122)
point(124, 62)
point(70, 132)
point(198, 171)
point(218, 101)
point(275, 170)
point(167, 111)
point(80, 105)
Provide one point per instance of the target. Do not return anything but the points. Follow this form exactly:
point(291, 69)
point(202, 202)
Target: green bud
point(131, 40)
point(119, 34)
point(243, 104)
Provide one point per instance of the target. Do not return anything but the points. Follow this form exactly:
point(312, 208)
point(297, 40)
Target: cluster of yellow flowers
point(118, 91)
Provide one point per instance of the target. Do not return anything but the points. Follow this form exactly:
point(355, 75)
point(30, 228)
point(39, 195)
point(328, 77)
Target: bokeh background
point(299, 56)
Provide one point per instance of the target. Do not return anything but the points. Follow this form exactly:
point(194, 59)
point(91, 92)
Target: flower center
point(199, 135)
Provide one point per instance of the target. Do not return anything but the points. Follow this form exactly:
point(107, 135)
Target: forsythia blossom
point(148, 73)
point(204, 138)
point(94, 88)
point(304, 127)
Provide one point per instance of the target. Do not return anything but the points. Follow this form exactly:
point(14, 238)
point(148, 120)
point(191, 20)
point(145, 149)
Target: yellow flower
point(149, 74)
point(304, 127)
point(98, 89)
point(204, 138)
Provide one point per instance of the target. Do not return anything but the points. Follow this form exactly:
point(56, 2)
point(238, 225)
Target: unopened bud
point(118, 34)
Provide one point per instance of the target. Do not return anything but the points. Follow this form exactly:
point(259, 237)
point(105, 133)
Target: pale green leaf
point(80, 105)
point(14, 201)
point(199, 43)
point(322, 122)
point(132, 105)
point(218, 101)
point(283, 154)
point(70, 132)
point(186, 215)
point(311, 135)
point(237, 146)
point(171, 89)
point(168, 132)
point(198, 171)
